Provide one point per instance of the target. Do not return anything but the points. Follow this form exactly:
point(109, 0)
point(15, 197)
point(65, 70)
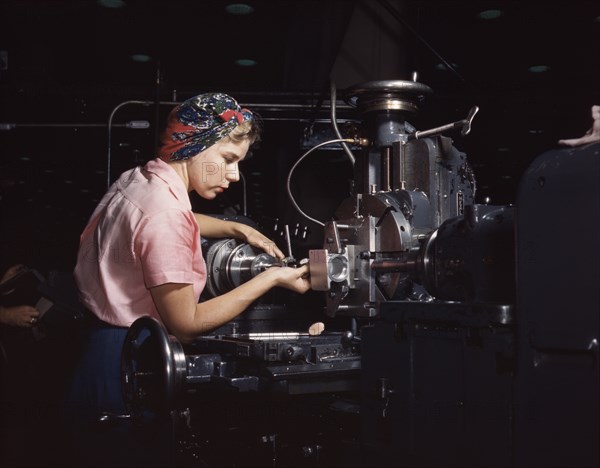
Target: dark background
point(66, 65)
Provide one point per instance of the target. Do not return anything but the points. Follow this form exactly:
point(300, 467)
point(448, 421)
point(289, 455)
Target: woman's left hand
point(256, 239)
point(214, 228)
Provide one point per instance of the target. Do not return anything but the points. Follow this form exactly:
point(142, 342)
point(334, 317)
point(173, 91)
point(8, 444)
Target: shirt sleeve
point(165, 243)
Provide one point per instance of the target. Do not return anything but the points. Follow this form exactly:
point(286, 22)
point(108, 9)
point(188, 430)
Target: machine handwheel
point(153, 367)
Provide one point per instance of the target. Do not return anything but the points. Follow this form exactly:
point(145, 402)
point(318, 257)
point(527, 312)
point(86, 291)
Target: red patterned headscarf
point(199, 123)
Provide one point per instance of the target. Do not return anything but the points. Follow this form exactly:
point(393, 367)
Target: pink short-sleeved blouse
point(142, 234)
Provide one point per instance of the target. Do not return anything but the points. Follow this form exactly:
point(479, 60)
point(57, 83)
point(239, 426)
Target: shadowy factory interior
point(474, 341)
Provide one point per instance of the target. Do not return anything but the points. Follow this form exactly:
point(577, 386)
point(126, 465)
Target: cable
point(289, 178)
point(333, 99)
point(110, 119)
point(110, 125)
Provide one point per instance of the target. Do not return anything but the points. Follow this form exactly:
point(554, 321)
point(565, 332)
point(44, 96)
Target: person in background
point(18, 366)
point(25, 316)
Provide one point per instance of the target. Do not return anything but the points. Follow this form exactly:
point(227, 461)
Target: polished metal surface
point(230, 262)
point(394, 95)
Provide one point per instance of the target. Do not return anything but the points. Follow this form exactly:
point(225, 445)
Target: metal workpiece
point(326, 268)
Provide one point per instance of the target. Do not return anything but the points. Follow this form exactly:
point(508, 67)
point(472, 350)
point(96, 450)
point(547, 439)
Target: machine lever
point(466, 129)
point(288, 240)
point(349, 338)
point(289, 261)
point(465, 125)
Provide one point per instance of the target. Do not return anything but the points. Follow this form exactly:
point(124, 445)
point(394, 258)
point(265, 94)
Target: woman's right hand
point(294, 279)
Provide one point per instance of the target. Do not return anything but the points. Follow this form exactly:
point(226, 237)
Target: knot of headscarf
point(199, 123)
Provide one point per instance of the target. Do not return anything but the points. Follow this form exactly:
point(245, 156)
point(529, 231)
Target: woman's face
point(211, 171)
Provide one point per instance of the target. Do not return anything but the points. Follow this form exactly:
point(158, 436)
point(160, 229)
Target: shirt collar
point(165, 172)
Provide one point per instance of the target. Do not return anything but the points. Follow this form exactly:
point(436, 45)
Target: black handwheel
point(153, 367)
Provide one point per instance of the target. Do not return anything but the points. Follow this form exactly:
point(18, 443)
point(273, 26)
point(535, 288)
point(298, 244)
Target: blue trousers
point(96, 383)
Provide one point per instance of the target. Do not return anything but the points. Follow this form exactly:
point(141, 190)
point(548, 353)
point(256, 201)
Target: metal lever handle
point(467, 122)
point(289, 260)
point(465, 125)
point(288, 240)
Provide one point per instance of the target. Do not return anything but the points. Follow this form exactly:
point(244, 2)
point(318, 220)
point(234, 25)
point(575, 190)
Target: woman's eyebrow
point(232, 155)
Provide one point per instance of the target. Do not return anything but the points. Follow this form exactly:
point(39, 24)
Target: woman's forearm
point(187, 319)
point(215, 227)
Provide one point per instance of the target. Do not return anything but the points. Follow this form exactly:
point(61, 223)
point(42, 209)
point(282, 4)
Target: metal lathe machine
point(456, 334)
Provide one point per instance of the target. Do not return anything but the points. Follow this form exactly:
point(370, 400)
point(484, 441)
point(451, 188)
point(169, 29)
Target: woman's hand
point(19, 316)
point(294, 279)
point(256, 239)
point(214, 228)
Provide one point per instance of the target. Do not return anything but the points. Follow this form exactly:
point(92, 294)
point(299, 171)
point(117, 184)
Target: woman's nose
point(232, 172)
